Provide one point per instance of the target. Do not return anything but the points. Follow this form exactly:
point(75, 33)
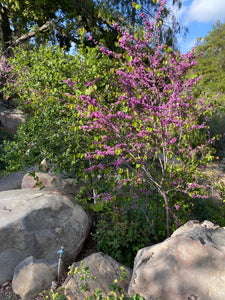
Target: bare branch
point(44, 27)
point(31, 34)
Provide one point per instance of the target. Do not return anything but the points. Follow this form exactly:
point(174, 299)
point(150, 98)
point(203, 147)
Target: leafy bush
point(41, 79)
point(208, 209)
point(121, 234)
point(217, 129)
point(4, 136)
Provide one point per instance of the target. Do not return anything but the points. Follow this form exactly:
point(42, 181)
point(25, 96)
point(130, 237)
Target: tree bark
point(166, 201)
point(5, 30)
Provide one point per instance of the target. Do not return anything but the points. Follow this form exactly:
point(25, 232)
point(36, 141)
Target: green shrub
point(121, 234)
point(217, 129)
point(43, 80)
point(208, 209)
point(4, 136)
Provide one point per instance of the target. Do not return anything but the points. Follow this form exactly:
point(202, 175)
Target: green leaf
point(118, 151)
point(170, 155)
point(136, 6)
point(91, 108)
point(129, 58)
point(130, 69)
point(120, 171)
point(125, 109)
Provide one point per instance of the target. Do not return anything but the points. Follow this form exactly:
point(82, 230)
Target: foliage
point(40, 80)
point(85, 276)
point(129, 11)
point(208, 209)
point(59, 21)
point(217, 129)
point(147, 123)
point(4, 136)
point(121, 233)
point(211, 65)
point(211, 62)
point(59, 294)
point(37, 74)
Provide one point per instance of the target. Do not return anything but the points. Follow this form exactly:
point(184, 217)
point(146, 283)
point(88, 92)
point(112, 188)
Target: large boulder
point(46, 180)
point(188, 265)
point(36, 223)
point(33, 276)
point(105, 270)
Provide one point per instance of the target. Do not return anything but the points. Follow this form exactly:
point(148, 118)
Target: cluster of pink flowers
point(152, 112)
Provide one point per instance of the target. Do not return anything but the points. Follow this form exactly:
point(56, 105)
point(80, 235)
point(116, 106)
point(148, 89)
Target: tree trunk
point(5, 31)
point(166, 201)
point(133, 18)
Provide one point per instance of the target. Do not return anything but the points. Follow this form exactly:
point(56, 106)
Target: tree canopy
point(170, 26)
point(60, 20)
point(211, 62)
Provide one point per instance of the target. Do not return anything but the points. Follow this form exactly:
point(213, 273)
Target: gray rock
point(11, 118)
point(104, 268)
point(36, 222)
point(9, 259)
point(14, 180)
point(188, 265)
point(32, 276)
point(50, 181)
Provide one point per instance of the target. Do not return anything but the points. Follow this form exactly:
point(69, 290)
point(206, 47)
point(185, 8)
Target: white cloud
point(204, 11)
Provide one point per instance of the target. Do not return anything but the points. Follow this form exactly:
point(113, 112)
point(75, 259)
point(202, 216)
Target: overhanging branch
point(44, 27)
point(31, 34)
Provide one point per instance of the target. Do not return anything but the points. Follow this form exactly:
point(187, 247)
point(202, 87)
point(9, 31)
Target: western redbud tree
point(148, 122)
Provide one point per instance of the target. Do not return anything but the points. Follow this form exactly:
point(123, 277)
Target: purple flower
point(177, 206)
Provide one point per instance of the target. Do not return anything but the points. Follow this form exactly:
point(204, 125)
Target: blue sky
point(199, 16)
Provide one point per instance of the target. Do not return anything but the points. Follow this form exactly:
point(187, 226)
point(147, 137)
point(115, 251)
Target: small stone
point(33, 276)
